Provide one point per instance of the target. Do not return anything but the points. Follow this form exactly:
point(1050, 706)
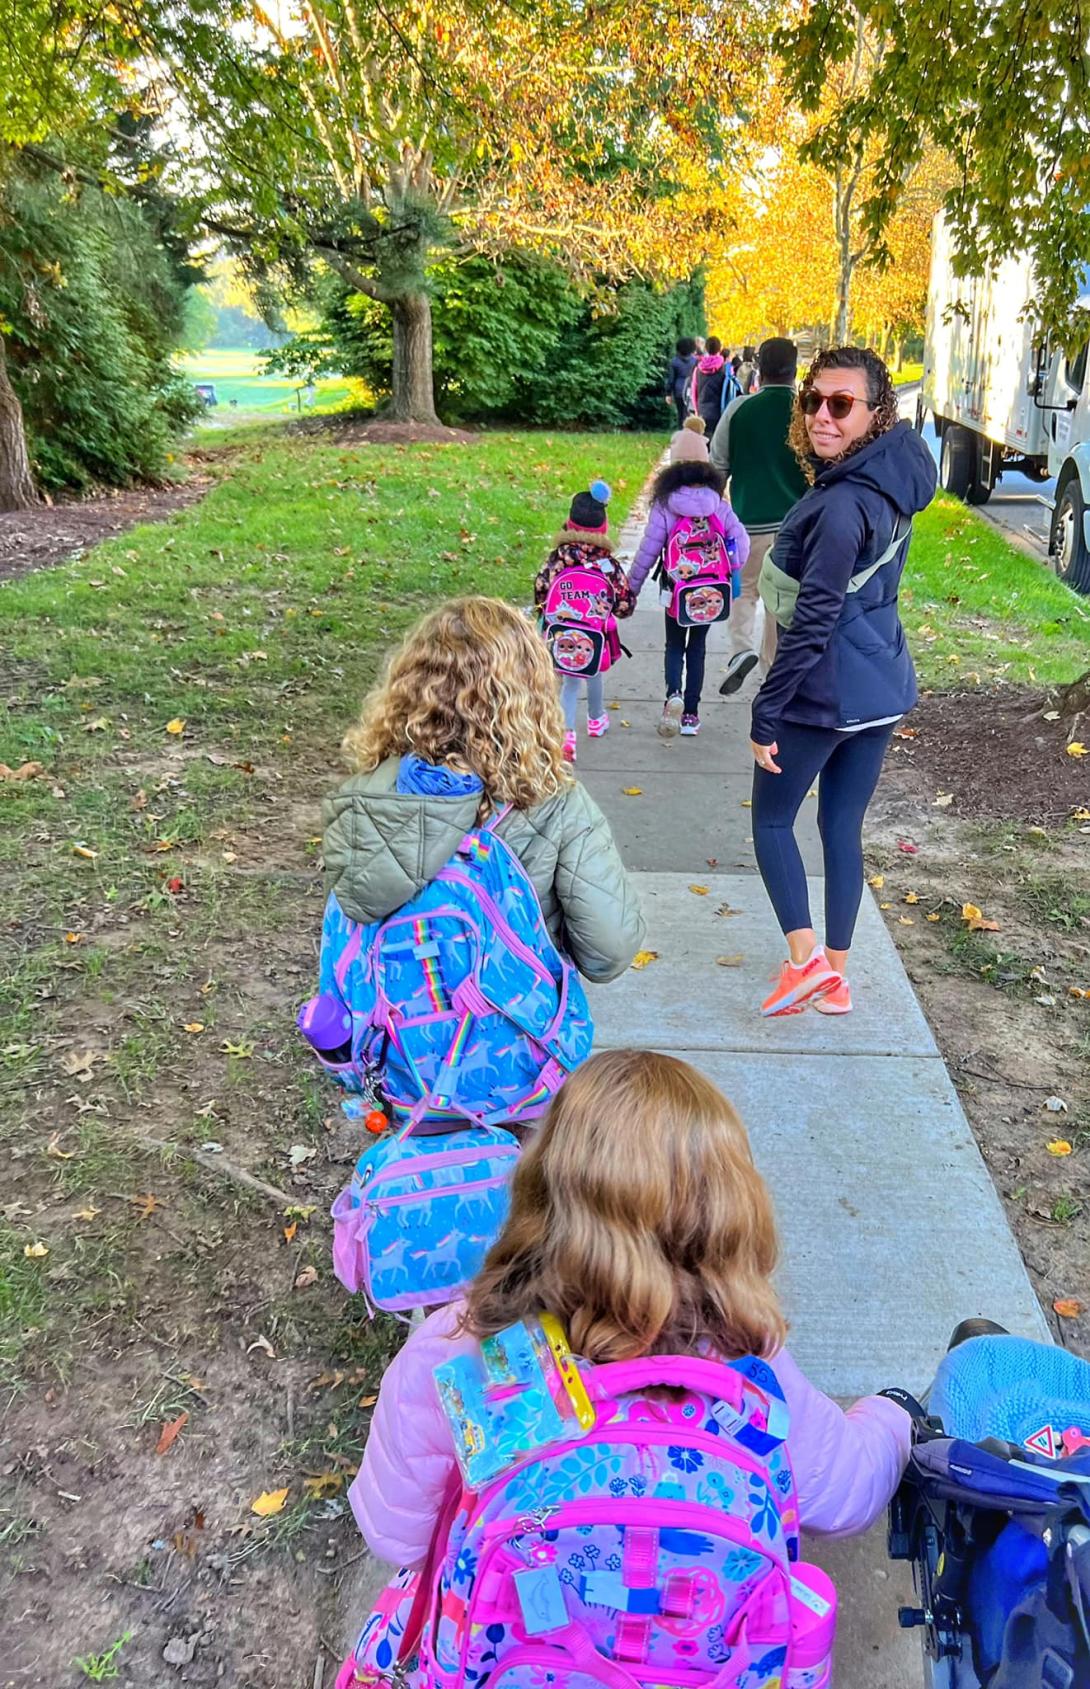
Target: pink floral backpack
point(657, 1551)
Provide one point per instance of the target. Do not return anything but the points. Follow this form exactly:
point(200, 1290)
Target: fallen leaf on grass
point(907, 848)
point(73, 938)
point(642, 957)
point(906, 921)
point(176, 726)
point(230, 856)
point(367, 1401)
point(53, 1147)
point(934, 917)
point(1077, 991)
point(241, 1052)
point(324, 1485)
point(1077, 749)
point(79, 1064)
point(911, 897)
point(300, 1153)
point(1051, 715)
point(85, 852)
point(170, 1433)
point(193, 1027)
point(1059, 1146)
point(290, 1231)
point(175, 885)
point(36, 1251)
point(1080, 814)
point(269, 1502)
point(264, 1345)
point(147, 1205)
point(632, 791)
point(1068, 1307)
point(877, 881)
point(943, 801)
point(306, 1278)
point(699, 891)
point(25, 771)
point(975, 919)
point(906, 732)
point(729, 961)
point(88, 1213)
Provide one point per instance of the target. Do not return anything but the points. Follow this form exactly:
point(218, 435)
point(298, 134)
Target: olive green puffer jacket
point(382, 846)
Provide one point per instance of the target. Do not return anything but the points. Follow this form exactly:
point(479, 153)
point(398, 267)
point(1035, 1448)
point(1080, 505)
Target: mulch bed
point(368, 431)
point(52, 533)
point(997, 756)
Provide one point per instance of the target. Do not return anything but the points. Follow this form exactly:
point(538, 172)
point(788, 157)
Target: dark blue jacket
point(844, 659)
point(679, 379)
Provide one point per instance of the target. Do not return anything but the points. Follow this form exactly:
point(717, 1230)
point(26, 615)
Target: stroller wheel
point(975, 1328)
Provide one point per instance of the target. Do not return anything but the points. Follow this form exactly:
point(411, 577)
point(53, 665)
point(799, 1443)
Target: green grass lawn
point(238, 375)
point(979, 610)
point(908, 373)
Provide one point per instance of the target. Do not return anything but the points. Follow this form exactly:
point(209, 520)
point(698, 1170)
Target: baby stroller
point(994, 1513)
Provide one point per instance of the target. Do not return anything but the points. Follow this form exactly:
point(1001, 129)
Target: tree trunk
point(898, 354)
point(843, 323)
point(1075, 698)
point(412, 397)
point(17, 489)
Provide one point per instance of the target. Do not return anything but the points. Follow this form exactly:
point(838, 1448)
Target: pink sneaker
point(568, 752)
point(597, 726)
point(690, 726)
point(838, 1001)
point(798, 985)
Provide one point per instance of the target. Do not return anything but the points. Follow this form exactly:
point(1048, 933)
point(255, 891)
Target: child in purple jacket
point(683, 489)
point(639, 1219)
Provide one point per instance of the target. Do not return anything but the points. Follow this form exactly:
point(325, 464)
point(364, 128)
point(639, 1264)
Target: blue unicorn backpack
point(460, 1011)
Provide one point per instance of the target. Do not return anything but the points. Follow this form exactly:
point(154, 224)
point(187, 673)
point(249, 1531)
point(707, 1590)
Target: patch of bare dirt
point(52, 533)
point(998, 756)
point(1010, 1008)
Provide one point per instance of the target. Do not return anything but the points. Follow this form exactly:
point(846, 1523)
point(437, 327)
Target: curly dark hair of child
point(673, 476)
point(880, 392)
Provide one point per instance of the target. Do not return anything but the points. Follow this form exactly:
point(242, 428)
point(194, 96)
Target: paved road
point(1017, 505)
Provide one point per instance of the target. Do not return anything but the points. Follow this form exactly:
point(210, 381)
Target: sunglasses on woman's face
point(840, 404)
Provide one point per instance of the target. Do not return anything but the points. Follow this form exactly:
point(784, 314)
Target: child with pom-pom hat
point(584, 543)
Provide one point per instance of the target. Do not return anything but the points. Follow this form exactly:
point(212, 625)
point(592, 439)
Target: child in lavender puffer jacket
point(639, 1220)
point(683, 488)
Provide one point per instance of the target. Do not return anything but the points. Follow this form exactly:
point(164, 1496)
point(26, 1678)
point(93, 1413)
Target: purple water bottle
point(327, 1027)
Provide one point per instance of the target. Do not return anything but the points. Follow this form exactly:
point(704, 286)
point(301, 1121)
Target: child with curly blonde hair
point(638, 1220)
point(465, 722)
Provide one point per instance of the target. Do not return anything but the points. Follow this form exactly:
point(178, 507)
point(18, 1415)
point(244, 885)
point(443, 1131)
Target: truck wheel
point(1069, 539)
point(957, 461)
point(980, 486)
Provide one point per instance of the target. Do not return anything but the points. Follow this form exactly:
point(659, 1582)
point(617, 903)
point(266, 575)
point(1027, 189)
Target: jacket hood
point(588, 538)
point(381, 847)
point(710, 362)
point(898, 465)
point(693, 501)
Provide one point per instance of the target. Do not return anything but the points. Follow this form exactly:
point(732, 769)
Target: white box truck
point(1004, 396)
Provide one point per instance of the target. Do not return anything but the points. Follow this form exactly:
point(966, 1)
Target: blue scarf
point(433, 780)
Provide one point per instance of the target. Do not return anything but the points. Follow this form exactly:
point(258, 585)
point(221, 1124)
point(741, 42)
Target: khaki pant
point(742, 625)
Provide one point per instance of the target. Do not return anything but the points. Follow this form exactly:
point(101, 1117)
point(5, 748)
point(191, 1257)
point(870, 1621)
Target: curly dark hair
point(673, 476)
point(880, 392)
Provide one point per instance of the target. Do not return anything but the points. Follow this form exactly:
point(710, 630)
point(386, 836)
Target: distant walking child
point(581, 590)
point(706, 392)
point(639, 1222)
point(685, 492)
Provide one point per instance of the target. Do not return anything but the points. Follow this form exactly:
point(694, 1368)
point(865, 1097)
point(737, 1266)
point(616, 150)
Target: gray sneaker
point(741, 664)
point(671, 716)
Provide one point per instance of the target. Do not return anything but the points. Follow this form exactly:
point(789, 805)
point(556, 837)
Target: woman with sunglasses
point(842, 677)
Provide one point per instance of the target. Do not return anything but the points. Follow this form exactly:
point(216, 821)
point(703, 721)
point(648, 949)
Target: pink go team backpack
point(656, 1551)
point(697, 567)
point(578, 622)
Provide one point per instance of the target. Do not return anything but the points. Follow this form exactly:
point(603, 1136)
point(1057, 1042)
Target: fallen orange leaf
point(699, 891)
point(1059, 1146)
point(177, 725)
point(168, 1436)
point(632, 791)
point(290, 1231)
point(1068, 1307)
point(642, 957)
point(325, 1484)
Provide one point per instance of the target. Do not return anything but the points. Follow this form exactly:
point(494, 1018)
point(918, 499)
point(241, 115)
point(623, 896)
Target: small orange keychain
point(375, 1122)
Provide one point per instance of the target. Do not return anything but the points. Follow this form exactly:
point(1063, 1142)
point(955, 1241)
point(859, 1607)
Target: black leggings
point(685, 656)
point(849, 765)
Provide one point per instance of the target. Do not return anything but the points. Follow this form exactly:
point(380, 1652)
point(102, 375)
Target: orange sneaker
point(799, 984)
point(838, 1001)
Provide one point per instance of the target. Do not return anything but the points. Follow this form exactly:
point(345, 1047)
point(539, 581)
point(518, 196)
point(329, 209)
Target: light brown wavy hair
point(880, 391)
point(638, 1218)
point(470, 686)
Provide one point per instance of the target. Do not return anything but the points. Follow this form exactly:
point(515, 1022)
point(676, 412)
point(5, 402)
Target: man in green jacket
point(750, 446)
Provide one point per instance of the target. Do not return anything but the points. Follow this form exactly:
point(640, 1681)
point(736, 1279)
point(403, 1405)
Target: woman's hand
point(763, 756)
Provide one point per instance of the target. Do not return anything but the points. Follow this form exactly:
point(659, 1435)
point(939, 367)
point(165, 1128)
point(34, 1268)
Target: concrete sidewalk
point(892, 1230)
